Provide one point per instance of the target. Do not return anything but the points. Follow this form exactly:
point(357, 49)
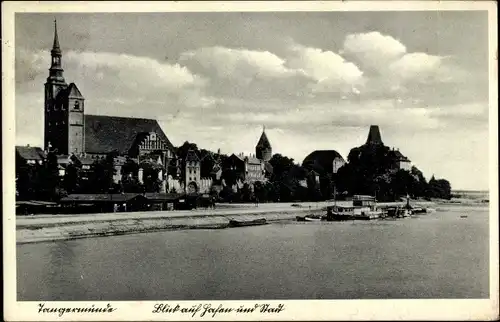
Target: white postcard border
point(14, 310)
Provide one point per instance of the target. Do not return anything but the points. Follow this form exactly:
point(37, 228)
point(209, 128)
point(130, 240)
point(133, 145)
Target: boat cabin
point(363, 201)
point(341, 209)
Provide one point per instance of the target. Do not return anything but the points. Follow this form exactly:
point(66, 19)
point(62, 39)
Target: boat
point(398, 212)
point(312, 218)
point(369, 215)
point(239, 223)
point(309, 218)
point(339, 213)
point(418, 210)
point(404, 213)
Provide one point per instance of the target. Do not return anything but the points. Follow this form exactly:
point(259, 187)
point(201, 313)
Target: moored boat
point(239, 223)
point(339, 213)
point(418, 210)
point(312, 218)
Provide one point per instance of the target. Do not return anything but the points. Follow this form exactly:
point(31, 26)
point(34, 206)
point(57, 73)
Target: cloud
point(329, 70)
point(390, 72)
point(135, 70)
point(421, 67)
point(237, 63)
point(373, 49)
point(300, 72)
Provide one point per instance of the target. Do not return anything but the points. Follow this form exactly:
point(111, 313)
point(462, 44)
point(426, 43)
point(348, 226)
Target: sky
point(315, 80)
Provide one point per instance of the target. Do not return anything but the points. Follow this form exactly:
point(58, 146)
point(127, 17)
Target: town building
point(400, 162)
point(30, 154)
point(248, 169)
point(324, 162)
point(263, 149)
point(254, 167)
point(374, 137)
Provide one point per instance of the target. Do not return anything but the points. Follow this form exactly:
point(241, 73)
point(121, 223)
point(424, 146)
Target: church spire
point(56, 70)
point(55, 47)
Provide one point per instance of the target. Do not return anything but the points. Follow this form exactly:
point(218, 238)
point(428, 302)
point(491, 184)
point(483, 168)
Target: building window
point(77, 105)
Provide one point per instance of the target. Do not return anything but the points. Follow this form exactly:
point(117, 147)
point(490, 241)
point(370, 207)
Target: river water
point(439, 255)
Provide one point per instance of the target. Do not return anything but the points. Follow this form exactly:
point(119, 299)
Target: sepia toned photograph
point(250, 156)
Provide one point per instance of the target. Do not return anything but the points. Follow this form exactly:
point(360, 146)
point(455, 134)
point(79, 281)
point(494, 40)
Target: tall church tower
point(64, 117)
point(263, 150)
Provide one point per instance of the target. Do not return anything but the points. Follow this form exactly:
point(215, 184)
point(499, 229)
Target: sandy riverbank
point(50, 229)
point(32, 229)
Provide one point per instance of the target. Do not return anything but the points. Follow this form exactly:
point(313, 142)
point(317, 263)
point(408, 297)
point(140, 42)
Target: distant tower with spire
point(263, 150)
point(374, 137)
point(64, 108)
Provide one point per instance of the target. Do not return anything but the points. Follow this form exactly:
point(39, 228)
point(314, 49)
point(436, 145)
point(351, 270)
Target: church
point(70, 132)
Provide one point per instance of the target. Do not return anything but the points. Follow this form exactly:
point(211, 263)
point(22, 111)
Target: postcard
point(250, 160)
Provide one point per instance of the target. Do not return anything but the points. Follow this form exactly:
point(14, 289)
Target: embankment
point(33, 230)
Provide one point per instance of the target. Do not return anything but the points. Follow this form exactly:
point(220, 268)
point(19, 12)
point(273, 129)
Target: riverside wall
point(64, 229)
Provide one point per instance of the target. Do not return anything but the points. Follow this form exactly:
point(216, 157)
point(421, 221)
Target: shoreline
point(46, 228)
point(36, 233)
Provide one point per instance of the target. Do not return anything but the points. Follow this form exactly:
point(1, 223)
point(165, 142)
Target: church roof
point(104, 134)
point(264, 141)
point(73, 92)
point(321, 160)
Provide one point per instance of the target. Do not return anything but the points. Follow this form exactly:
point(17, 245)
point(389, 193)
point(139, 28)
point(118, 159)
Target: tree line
point(369, 170)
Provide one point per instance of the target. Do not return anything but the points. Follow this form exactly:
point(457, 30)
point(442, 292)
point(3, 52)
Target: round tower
point(263, 150)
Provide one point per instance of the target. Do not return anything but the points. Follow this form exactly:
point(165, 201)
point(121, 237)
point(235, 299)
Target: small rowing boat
point(239, 223)
point(310, 218)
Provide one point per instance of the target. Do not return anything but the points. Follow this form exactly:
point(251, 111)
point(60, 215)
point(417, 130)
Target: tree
point(26, 179)
point(102, 177)
point(246, 193)
point(150, 177)
point(131, 184)
point(281, 167)
point(440, 188)
point(48, 182)
point(72, 178)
